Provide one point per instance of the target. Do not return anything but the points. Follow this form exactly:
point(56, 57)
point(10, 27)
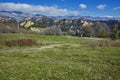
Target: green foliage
point(38, 25)
point(115, 33)
point(101, 29)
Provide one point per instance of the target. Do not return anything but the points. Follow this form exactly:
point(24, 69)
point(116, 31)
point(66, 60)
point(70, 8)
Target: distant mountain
point(66, 17)
point(17, 12)
point(102, 18)
point(19, 16)
point(16, 16)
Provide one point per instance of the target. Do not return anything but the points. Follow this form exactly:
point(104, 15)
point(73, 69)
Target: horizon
point(64, 7)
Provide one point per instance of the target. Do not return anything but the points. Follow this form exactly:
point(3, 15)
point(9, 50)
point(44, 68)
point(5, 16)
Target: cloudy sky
point(64, 7)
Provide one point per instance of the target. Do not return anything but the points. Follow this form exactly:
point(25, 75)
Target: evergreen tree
point(115, 32)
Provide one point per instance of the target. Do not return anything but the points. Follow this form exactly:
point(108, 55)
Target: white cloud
point(46, 10)
point(83, 6)
point(116, 8)
point(101, 6)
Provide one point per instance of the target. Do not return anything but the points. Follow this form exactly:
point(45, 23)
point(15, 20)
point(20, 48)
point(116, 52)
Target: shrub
point(2, 42)
point(71, 32)
point(102, 43)
point(20, 42)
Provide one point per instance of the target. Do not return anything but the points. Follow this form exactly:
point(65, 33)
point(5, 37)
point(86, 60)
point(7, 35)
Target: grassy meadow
point(58, 58)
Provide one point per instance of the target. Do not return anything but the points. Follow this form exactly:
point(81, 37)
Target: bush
point(20, 42)
point(71, 33)
point(53, 30)
point(2, 42)
point(102, 43)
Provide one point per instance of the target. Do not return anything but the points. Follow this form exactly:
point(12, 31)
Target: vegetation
point(20, 42)
point(38, 26)
point(87, 31)
point(102, 43)
point(53, 30)
point(101, 30)
point(115, 33)
point(58, 58)
point(8, 27)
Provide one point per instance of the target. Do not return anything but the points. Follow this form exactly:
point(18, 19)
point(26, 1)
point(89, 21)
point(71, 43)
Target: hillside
point(79, 26)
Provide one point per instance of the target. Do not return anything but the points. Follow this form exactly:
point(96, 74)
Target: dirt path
point(33, 49)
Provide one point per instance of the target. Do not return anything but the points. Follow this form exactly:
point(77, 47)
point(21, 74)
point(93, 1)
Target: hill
point(79, 26)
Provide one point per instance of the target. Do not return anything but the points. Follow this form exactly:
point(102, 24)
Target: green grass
point(70, 61)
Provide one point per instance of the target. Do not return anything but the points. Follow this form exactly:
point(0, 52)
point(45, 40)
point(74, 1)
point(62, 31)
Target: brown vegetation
point(102, 43)
point(2, 42)
point(53, 30)
point(20, 42)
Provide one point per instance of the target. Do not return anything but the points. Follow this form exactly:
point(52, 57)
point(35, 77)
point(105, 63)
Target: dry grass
point(2, 42)
point(102, 43)
point(20, 42)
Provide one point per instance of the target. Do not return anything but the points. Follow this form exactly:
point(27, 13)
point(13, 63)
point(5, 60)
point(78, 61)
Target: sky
point(64, 7)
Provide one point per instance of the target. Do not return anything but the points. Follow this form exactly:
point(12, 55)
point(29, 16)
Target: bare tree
point(87, 31)
point(53, 30)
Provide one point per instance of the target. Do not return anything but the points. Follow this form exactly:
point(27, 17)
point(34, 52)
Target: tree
point(101, 29)
point(87, 31)
point(53, 30)
point(115, 32)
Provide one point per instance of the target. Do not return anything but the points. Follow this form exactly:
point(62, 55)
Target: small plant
point(21, 42)
point(2, 42)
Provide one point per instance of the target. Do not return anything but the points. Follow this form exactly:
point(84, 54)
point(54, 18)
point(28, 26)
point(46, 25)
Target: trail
point(33, 49)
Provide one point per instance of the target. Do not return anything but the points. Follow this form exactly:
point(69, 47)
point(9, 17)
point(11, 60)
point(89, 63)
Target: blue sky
point(64, 7)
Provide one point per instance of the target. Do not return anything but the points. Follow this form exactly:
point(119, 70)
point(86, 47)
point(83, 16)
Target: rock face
point(26, 23)
point(47, 22)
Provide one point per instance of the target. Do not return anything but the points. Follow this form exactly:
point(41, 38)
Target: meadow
point(58, 58)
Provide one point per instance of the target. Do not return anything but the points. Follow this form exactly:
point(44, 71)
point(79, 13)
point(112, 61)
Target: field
point(58, 58)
